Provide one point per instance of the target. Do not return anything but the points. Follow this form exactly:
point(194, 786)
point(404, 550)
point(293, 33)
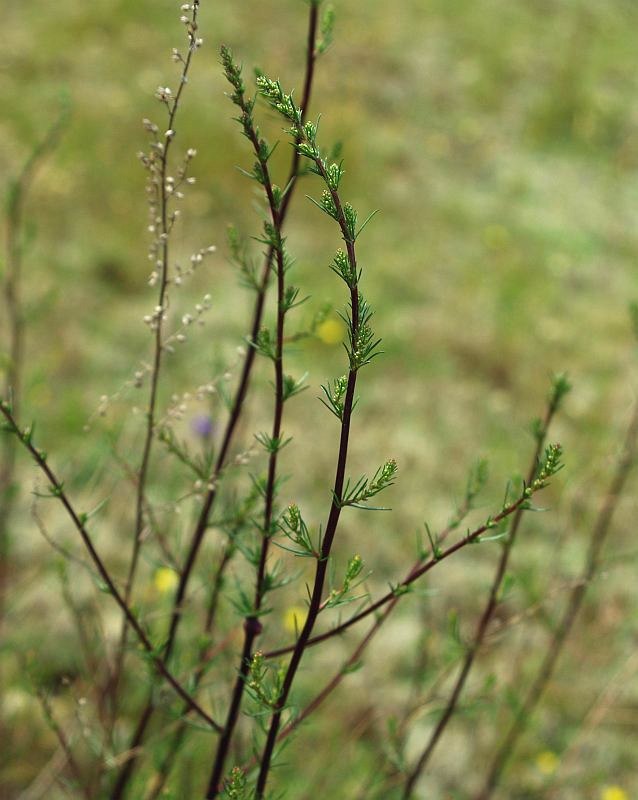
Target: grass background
point(499, 141)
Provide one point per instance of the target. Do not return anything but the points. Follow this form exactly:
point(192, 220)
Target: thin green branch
point(559, 389)
point(599, 535)
point(252, 625)
point(402, 587)
point(236, 410)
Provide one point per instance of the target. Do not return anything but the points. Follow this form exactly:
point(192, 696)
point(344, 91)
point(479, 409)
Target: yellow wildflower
point(330, 331)
point(165, 579)
point(613, 793)
point(294, 618)
point(547, 762)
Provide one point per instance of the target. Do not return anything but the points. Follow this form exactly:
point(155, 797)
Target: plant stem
point(357, 653)
point(486, 616)
point(142, 475)
point(252, 625)
point(58, 492)
point(412, 576)
point(235, 414)
point(598, 537)
point(355, 656)
point(240, 394)
point(335, 508)
point(204, 657)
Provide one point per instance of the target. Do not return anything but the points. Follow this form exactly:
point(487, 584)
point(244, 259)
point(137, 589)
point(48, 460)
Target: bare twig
point(57, 491)
point(161, 188)
point(252, 624)
point(412, 576)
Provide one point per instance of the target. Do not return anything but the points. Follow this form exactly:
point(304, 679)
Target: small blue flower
point(202, 426)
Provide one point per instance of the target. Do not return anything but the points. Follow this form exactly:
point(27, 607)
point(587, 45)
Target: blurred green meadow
point(499, 142)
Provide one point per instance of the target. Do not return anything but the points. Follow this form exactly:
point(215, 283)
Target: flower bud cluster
point(200, 486)
point(164, 94)
point(188, 319)
point(243, 458)
point(195, 260)
point(180, 403)
point(194, 41)
point(138, 376)
point(153, 320)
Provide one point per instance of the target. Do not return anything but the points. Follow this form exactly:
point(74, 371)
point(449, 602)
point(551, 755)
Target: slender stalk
point(163, 195)
point(332, 684)
point(412, 576)
point(317, 592)
point(252, 625)
point(338, 487)
point(242, 389)
point(490, 607)
point(597, 540)
point(233, 420)
point(452, 525)
point(57, 490)
point(205, 656)
point(357, 653)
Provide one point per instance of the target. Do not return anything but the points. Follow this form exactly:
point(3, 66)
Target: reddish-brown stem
point(598, 537)
point(58, 492)
point(412, 576)
point(360, 648)
point(335, 508)
point(206, 654)
point(142, 475)
point(389, 601)
point(486, 616)
point(242, 388)
point(336, 680)
point(252, 625)
point(231, 426)
point(357, 653)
